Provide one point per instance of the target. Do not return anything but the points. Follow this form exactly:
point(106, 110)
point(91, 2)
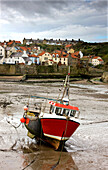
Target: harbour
point(86, 149)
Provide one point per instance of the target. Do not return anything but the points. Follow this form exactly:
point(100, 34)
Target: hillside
point(97, 49)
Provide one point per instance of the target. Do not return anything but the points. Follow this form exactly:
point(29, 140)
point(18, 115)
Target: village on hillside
point(30, 52)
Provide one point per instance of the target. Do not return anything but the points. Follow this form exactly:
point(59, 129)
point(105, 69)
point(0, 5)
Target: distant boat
point(55, 126)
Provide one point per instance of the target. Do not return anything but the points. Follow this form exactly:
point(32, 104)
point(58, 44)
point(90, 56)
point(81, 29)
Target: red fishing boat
point(57, 124)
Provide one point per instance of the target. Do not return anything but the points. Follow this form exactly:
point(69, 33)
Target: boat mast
point(66, 87)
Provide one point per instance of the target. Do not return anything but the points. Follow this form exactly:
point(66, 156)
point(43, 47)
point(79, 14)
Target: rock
point(105, 77)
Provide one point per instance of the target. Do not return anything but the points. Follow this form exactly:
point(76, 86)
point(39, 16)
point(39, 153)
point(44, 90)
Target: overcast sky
point(64, 19)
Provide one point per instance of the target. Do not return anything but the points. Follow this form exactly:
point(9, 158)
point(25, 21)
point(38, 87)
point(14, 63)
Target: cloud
point(54, 18)
point(69, 32)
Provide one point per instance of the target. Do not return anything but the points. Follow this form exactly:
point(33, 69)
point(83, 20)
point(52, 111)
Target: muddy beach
point(87, 149)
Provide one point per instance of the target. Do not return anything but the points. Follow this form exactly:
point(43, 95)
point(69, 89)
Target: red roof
point(19, 51)
point(43, 52)
point(32, 55)
point(96, 57)
point(60, 52)
point(64, 56)
point(55, 54)
point(28, 48)
point(24, 48)
point(75, 55)
point(64, 106)
point(2, 44)
point(17, 42)
point(10, 43)
point(100, 59)
point(69, 45)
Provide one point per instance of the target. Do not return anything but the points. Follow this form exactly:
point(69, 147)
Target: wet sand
point(87, 148)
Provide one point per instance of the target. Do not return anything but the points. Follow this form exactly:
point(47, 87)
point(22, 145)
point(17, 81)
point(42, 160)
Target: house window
point(64, 59)
point(45, 58)
point(57, 55)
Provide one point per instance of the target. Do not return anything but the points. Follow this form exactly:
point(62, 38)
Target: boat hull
point(34, 127)
point(59, 129)
point(54, 131)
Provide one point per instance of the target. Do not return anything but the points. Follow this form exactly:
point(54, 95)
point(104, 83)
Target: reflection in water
point(46, 158)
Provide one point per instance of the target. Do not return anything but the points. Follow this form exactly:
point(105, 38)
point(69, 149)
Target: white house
point(2, 54)
point(97, 60)
point(81, 54)
point(60, 57)
point(2, 51)
point(55, 57)
point(44, 57)
point(18, 58)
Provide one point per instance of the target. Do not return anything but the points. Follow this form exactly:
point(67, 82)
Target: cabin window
point(58, 111)
point(66, 112)
point(72, 113)
point(51, 109)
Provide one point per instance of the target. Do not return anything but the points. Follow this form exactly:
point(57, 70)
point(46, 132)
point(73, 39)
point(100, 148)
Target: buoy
point(25, 108)
point(22, 120)
point(27, 121)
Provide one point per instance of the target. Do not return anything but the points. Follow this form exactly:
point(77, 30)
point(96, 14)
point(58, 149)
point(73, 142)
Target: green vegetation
point(51, 48)
point(97, 49)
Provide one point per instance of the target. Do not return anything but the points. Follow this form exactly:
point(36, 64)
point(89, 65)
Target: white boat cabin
point(63, 110)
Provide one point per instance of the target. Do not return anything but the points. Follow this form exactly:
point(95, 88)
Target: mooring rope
point(13, 125)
